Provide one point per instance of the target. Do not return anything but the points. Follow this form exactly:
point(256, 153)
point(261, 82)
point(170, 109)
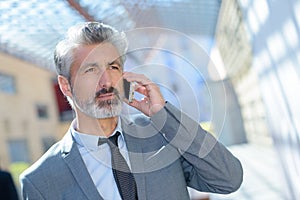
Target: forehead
point(97, 53)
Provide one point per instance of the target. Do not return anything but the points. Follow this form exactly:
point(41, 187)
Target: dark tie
point(122, 174)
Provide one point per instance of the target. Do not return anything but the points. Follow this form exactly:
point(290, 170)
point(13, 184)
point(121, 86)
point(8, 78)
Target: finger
point(139, 78)
point(145, 100)
point(142, 90)
point(135, 103)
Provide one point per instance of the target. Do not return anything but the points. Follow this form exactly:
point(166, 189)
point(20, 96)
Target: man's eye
point(115, 67)
point(90, 69)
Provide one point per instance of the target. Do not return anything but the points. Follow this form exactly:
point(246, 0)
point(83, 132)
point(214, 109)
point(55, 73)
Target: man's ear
point(64, 86)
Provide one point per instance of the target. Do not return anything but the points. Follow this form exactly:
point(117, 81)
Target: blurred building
point(235, 49)
point(273, 28)
point(260, 51)
point(29, 119)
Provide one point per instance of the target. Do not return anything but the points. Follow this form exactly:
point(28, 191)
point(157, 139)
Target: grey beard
point(100, 110)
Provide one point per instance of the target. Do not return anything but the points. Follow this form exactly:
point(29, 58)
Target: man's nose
point(105, 80)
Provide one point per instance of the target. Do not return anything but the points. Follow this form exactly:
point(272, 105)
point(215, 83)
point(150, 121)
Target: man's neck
point(92, 126)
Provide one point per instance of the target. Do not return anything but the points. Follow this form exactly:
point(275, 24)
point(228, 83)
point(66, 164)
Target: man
point(8, 189)
point(163, 155)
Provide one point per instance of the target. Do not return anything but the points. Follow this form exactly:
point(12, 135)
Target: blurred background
point(233, 65)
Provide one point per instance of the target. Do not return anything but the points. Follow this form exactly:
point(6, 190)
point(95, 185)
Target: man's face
point(96, 84)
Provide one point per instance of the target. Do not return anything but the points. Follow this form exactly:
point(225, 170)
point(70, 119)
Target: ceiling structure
point(30, 29)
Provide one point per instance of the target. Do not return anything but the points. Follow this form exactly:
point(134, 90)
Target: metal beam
point(74, 4)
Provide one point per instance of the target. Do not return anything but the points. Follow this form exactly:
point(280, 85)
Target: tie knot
point(112, 139)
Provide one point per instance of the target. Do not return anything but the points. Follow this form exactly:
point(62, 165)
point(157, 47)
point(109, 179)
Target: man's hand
point(153, 100)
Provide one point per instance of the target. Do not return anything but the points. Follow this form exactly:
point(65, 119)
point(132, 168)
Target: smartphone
point(128, 90)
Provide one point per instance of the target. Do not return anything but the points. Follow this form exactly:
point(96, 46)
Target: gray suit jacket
point(167, 154)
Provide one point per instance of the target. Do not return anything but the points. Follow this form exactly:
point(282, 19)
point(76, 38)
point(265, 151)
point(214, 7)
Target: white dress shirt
point(98, 160)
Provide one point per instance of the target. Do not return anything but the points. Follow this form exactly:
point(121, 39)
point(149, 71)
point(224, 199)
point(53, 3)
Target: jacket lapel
point(73, 159)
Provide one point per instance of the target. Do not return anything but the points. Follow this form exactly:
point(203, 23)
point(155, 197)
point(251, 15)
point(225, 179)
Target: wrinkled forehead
point(97, 53)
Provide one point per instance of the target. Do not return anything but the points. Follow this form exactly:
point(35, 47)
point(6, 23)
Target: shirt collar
point(91, 141)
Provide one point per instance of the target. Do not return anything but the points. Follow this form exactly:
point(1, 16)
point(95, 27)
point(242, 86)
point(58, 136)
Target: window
point(7, 84)
point(7, 126)
point(42, 111)
point(18, 151)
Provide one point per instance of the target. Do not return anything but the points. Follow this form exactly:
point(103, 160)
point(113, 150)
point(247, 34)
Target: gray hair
point(86, 33)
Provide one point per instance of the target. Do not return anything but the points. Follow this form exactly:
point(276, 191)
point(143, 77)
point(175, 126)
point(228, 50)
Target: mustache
point(107, 90)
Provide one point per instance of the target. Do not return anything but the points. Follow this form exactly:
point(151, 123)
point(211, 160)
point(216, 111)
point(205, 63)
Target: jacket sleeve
point(29, 191)
point(208, 166)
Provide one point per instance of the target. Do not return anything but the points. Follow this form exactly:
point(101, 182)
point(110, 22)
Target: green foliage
point(16, 169)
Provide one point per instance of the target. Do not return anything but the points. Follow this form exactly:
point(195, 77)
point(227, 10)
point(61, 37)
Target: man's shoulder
point(48, 160)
